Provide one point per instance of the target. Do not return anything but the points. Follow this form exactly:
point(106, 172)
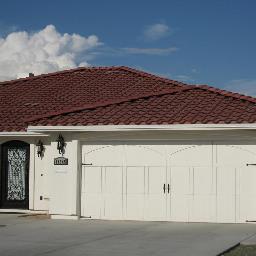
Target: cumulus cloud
point(184, 78)
point(156, 31)
point(43, 51)
point(244, 86)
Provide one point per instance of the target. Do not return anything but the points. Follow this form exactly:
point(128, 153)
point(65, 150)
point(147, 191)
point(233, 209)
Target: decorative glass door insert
point(16, 174)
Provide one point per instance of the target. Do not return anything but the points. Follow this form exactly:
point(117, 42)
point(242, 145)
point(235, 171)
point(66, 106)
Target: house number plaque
point(60, 161)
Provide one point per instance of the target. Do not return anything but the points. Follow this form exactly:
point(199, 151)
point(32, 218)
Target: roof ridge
point(107, 68)
point(227, 93)
point(73, 70)
point(106, 103)
point(155, 77)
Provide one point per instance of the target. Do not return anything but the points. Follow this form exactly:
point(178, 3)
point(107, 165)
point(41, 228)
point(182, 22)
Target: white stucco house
point(118, 143)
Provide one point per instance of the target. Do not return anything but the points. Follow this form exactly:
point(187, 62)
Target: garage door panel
point(246, 208)
point(179, 208)
point(91, 196)
point(202, 208)
point(135, 176)
point(156, 179)
point(113, 206)
point(91, 180)
point(135, 207)
point(155, 208)
point(113, 180)
point(135, 192)
point(155, 202)
point(144, 155)
point(226, 209)
point(246, 193)
point(226, 181)
point(190, 154)
point(236, 154)
point(226, 194)
point(203, 180)
point(247, 178)
point(179, 191)
point(180, 181)
point(91, 206)
point(113, 192)
point(100, 155)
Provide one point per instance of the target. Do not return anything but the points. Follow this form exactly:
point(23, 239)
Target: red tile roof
point(116, 95)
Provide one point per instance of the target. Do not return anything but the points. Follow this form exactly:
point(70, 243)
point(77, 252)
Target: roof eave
point(22, 134)
point(171, 127)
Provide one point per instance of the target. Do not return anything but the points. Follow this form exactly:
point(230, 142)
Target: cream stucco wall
point(64, 189)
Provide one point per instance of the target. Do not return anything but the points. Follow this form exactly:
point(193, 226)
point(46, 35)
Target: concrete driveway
point(29, 236)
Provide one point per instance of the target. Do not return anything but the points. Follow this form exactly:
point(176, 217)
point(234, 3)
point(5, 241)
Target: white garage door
point(191, 182)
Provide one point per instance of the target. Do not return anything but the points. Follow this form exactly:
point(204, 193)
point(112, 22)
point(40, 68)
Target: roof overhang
point(22, 134)
point(174, 127)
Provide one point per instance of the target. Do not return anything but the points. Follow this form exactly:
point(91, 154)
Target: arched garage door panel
point(131, 179)
point(181, 191)
point(202, 201)
point(192, 182)
point(207, 182)
point(236, 189)
point(246, 194)
point(226, 194)
point(156, 198)
point(91, 192)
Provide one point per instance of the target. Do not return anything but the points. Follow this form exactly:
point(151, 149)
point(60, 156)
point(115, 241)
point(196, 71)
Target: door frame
point(24, 204)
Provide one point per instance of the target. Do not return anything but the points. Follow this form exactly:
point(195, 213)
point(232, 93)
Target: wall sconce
point(40, 148)
point(61, 144)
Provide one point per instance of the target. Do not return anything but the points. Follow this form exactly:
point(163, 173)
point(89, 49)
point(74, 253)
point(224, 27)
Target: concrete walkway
point(26, 236)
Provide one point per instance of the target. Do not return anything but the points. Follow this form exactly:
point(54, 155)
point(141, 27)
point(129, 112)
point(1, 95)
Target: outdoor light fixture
point(61, 144)
point(40, 148)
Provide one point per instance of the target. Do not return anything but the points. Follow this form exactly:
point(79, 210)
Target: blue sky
point(199, 41)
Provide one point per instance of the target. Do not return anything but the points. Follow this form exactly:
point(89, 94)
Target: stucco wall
point(64, 178)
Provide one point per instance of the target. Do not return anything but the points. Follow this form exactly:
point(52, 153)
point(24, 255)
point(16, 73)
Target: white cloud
point(184, 78)
point(42, 52)
point(150, 51)
point(194, 70)
point(244, 86)
point(156, 31)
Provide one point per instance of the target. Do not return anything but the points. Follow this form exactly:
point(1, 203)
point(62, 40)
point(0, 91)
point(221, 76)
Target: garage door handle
point(164, 188)
point(250, 164)
point(168, 188)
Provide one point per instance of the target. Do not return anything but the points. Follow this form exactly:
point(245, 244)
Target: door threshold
point(22, 211)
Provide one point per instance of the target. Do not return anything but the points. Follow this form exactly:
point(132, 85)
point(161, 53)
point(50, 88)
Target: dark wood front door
point(14, 175)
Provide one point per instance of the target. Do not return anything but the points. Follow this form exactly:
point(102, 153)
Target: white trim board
point(22, 134)
point(22, 211)
point(174, 127)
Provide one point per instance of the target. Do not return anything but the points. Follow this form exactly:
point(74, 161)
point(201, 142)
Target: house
point(118, 143)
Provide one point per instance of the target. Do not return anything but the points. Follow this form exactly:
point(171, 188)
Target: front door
point(14, 175)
